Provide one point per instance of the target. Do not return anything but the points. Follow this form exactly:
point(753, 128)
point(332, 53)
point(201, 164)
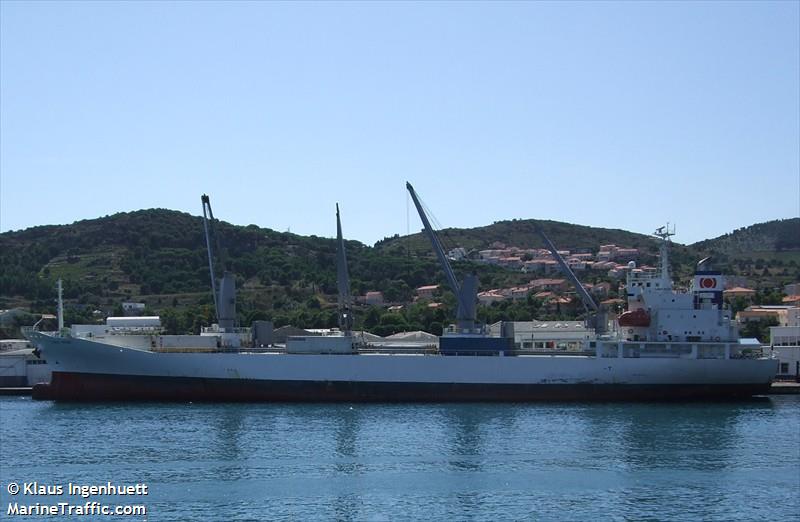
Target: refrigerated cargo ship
point(669, 345)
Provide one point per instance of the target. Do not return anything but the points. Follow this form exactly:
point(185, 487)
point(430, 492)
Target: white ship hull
point(84, 369)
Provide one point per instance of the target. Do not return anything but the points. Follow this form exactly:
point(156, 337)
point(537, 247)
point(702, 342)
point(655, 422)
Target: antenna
point(664, 233)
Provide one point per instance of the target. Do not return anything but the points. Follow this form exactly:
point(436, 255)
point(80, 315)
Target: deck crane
point(223, 290)
point(344, 343)
point(343, 282)
point(596, 314)
point(467, 292)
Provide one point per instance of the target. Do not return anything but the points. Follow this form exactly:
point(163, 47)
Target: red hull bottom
point(67, 386)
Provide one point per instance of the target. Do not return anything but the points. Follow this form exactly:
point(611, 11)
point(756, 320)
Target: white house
point(785, 344)
point(132, 308)
point(543, 335)
point(792, 289)
point(427, 292)
point(374, 298)
point(490, 296)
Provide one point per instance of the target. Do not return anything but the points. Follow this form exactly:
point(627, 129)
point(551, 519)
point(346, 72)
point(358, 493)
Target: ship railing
point(29, 329)
point(519, 352)
point(645, 276)
point(655, 350)
point(430, 349)
point(700, 350)
point(553, 352)
point(474, 353)
point(748, 353)
point(215, 349)
point(132, 330)
point(216, 331)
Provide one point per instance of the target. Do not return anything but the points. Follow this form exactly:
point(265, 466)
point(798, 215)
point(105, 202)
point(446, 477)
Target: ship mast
point(223, 290)
point(343, 281)
point(664, 233)
point(597, 315)
point(60, 288)
point(466, 293)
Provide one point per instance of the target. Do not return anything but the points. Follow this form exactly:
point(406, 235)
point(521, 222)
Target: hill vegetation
point(522, 233)
point(158, 257)
point(765, 255)
point(781, 235)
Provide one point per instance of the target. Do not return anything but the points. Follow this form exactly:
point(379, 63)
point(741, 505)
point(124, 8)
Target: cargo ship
point(668, 345)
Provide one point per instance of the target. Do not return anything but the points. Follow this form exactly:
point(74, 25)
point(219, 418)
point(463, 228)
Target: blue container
point(458, 345)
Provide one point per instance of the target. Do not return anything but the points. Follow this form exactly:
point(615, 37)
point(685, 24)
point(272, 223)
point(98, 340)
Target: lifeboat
point(639, 317)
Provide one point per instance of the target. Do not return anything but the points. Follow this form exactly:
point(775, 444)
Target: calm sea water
point(417, 462)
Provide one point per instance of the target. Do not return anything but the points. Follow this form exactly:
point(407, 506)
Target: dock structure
point(18, 390)
point(785, 388)
point(777, 388)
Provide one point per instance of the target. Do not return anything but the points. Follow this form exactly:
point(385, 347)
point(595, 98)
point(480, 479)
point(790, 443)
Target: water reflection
point(666, 444)
point(650, 436)
point(347, 421)
point(228, 424)
point(433, 462)
point(470, 426)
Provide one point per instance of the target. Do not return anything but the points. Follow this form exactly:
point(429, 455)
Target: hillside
point(161, 251)
point(158, 257)
point(781, 235)
point(762, 256)
point(521, 233)
point(566, 236)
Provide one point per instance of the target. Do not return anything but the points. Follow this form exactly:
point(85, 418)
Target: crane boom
point(224, 289)
point(342, 281)
point(466, 293)
point(437, 246)
point(597, 315)
point(207, 214)
point(587, 300)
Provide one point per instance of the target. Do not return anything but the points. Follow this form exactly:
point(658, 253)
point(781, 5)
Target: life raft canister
point(639, 317)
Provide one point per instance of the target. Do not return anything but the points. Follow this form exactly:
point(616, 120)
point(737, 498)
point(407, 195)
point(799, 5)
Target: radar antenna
point(664, 233)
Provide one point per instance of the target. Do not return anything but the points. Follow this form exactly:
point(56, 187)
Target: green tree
point(758, 329)
point(171, 321)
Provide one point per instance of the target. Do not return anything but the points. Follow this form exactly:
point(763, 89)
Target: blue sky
point(621, 115)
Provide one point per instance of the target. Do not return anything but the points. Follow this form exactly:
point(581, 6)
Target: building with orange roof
point(738, 291)
point(426, 292)
point(783, 314)
point(374, 298)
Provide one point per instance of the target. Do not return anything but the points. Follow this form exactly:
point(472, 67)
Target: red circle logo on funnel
point(708, 282)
